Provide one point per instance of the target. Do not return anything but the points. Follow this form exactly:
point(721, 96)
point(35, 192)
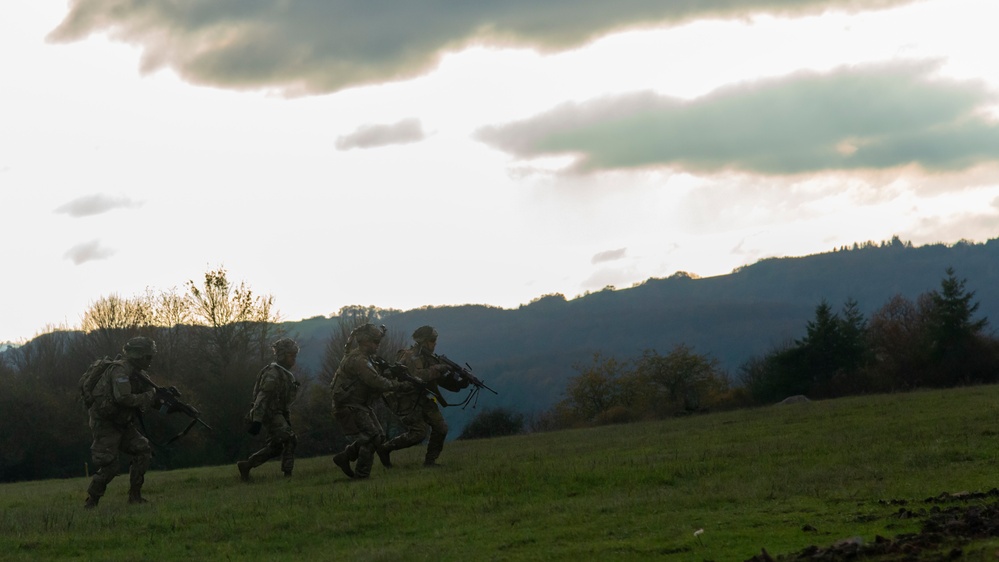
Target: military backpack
point(93, 376)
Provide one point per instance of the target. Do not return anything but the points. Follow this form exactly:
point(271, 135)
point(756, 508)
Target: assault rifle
point(169, 399)
point(462, 374)
point(397, 371)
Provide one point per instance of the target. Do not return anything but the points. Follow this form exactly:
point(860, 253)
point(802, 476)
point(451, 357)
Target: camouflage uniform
point(119, 399)
point(356, 385)
point(273, 393)
point(417, 409)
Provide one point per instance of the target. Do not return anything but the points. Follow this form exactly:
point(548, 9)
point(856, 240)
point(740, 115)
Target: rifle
point(397, 371)
point(462, 374)
point(169, 399)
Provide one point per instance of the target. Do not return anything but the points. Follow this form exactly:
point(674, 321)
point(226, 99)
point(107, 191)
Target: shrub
point(495, 422)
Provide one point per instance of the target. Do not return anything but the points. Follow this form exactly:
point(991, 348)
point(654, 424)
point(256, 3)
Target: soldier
point(273, 394)
point(417, 409)
point(356, 384)
point(119, 398)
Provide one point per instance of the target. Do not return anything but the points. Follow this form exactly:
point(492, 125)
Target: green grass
point(750, 479)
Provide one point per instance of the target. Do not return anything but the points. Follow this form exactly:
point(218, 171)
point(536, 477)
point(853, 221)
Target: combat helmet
point(139, 347)
point(368, 332)
point(424, 333)
point(283, 346)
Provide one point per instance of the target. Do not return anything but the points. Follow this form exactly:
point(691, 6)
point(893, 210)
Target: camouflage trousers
point(417, 419)
point(109, 439)
point(362, 429)
point(281, 442)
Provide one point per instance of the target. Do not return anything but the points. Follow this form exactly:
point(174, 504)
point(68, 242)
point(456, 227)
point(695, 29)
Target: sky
point(333, 153)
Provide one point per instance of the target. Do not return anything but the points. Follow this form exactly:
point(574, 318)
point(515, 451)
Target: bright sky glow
point(439, 166)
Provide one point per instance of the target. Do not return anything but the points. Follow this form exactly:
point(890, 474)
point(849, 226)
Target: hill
point(865, 473)
point(528, 353)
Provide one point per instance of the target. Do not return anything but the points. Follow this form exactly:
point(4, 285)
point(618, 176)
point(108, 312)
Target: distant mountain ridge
point(528, 353)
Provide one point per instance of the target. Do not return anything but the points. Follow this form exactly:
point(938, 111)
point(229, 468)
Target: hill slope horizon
point(529, 353)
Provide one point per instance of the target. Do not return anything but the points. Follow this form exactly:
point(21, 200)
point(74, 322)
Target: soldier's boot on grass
point(244, 470)
point(135, 496)
point(342, 460)
point(384, 453)
point(94, 492)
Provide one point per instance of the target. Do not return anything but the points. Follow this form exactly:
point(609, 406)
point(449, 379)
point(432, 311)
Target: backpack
point(91, 377)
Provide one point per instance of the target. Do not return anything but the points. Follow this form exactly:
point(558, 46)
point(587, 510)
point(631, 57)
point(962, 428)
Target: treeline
point(214, 337)
point(935, 341)
point(212, 340)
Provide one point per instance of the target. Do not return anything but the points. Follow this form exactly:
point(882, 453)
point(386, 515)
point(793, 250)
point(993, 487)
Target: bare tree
point(237, 320)
point(231, 340)
point(111, 319)
point(351, 317)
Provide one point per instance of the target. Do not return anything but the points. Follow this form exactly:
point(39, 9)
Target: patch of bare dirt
point(946, 532)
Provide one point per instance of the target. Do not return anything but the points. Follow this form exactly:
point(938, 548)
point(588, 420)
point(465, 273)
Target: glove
point(254, 428)
point(440, 370)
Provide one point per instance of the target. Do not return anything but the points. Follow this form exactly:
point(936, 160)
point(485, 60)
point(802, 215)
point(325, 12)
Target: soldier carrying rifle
point(115, 393)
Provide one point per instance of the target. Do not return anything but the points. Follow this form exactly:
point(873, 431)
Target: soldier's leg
point(416, 432)
point(345, 418)
point(369, 438)
point(135, 444)
point(288, 453)
point(278, 432)
point(438, 432)
point(104, 453)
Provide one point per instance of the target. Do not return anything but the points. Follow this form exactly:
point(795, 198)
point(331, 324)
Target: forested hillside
point(214, 338)
point(529, 353)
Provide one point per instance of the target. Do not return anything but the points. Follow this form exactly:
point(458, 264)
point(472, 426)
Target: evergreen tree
point(953, 335)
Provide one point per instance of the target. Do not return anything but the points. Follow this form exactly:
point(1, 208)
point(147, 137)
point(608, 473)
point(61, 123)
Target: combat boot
point(244, 470)
point(383, 455)
point(135, 497)
point(91, 502)
point(343, 461)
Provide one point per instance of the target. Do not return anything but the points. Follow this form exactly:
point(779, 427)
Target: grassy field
point(780, 478)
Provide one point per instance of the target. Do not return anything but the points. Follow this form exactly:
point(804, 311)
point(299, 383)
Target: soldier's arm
point(418, 368)
point(121, 388)
point(373, 379)
point(265, 393)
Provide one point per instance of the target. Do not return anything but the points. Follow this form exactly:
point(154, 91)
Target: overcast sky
point(428, 153)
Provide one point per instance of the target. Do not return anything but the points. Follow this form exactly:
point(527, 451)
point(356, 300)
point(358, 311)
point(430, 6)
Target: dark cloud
point(609, 255)
point(95, 205)
point(312, 46)
point(854, 118)
point(88, 251)
point(370, 136)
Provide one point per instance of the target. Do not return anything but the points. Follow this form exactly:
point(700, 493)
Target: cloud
point(88, 251)
point(310, 47)
point(370, 136)
point(609, 255)
point(95, 205)
point(873, 117)
point(605, 277)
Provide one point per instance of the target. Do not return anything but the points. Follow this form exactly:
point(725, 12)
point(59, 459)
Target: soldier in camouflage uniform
point(119, 399)
point(273, 393)
point(418, 408)
point(356, 384)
